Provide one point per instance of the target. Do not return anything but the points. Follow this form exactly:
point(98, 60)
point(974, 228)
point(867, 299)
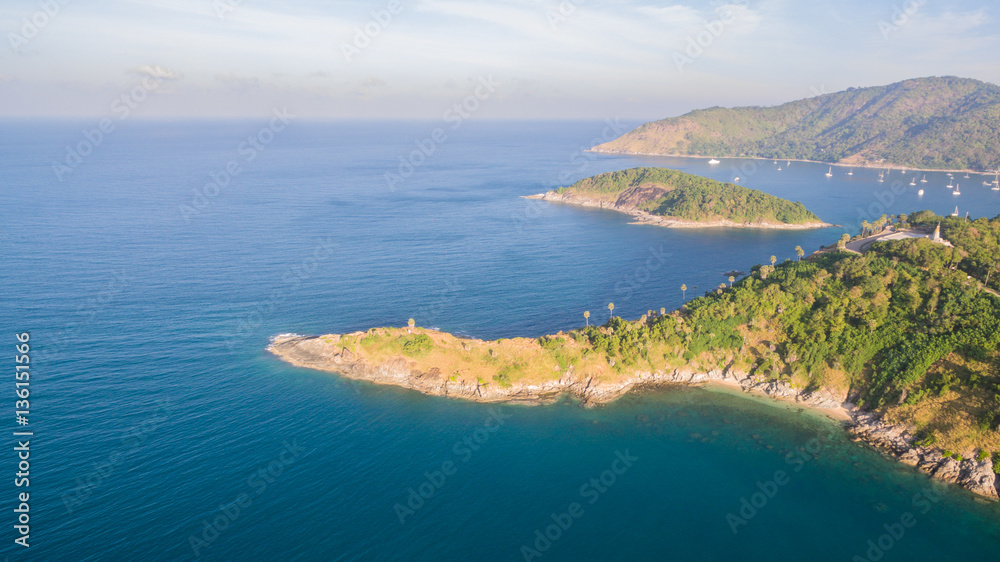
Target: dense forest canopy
point(677, 194)
point(909, 327)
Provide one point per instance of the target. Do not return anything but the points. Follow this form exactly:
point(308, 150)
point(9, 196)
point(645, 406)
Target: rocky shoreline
point(841, 164)
point(642, 217)
point(898, 441)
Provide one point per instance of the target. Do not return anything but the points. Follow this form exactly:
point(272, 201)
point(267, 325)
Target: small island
point(671, 198)
point(899, 339)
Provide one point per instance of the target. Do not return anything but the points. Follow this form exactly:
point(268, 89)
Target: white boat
point(956, 192)
point(913, 181)
point(996, 187)
point(830, 173)
point(713, 161)
point(851, 173)
point(903, 171)
point(881, 177)
point(788, 163)
point(736, 179)
point(966, 175)
point(955, 214)
point(950, 185)
point(923, 179)
point(779, 168)
point(921, 192)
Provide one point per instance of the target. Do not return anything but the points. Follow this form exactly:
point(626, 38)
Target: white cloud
point(158, 72)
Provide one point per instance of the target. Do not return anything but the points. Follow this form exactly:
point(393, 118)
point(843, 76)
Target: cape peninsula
point(934, 123)
point(900, 341)
point(675, 199)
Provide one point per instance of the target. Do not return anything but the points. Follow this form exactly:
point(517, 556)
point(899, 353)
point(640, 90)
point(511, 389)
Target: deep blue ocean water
point(155, 407)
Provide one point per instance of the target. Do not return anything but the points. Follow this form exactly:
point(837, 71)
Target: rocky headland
point(331, 353)
point(627, 203)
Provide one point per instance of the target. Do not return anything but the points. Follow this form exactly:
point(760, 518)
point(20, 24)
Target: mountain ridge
point(929, 123)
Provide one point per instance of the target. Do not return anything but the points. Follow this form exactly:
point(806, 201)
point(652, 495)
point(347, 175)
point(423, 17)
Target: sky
point(507, 59)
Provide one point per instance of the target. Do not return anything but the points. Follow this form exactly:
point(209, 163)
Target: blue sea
point(151, 265)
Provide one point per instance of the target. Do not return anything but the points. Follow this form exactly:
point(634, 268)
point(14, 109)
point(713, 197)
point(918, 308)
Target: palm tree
point(663, 311)
point(684, 289)
point(799, 252)
point(611, 307)
point(765, 270)
point(731, 279)
point(411, 323)
point(774, 260)
point(586, 315)
point(864, 228)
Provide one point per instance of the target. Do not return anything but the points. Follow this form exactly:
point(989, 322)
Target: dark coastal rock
point(325, 354)
point(979, 477)
point(898, 441)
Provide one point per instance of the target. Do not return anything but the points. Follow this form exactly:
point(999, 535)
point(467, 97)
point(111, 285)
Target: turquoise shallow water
point(155, 407)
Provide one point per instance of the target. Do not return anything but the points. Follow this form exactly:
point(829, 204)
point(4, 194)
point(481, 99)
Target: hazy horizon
point(390, 59)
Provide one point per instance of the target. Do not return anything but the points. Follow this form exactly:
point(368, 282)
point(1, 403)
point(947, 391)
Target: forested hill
point(671, 193)
point(941, 123)
point(911, 327)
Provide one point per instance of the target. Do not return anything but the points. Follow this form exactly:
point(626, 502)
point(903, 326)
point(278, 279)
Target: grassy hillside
point(948, 122)
point(666, 192)
point(906, 328)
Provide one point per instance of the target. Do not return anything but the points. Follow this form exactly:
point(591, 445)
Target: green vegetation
point(671, 193)
point(978, 243)
point(417, 345)
point(907, 328)
point(926, 122)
